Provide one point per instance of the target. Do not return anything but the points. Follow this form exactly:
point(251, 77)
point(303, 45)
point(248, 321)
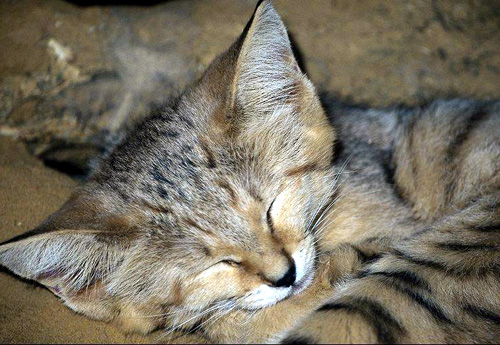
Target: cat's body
point(243, 213)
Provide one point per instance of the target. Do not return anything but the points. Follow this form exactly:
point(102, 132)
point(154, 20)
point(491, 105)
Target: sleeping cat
point(242, 212)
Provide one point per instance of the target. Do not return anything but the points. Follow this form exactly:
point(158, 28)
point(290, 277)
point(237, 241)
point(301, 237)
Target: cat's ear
point(74, 254)
point(273, 105)
point(267, 75)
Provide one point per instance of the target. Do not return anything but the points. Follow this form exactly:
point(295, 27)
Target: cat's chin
point(302, 284)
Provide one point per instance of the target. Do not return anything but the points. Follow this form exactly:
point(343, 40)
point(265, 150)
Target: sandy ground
point(71, 74)
point(30, 313)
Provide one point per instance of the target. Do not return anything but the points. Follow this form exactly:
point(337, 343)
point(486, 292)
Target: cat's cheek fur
point(204, 289)
point(133, 319)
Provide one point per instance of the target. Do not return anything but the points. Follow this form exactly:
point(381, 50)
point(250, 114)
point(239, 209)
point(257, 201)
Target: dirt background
point(72, 75)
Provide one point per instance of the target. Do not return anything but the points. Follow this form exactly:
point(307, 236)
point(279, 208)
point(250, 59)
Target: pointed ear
point(274, 107)
point(74, 263)
point(267, 75)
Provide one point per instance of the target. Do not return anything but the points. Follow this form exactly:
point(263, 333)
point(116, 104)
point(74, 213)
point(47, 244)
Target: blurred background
point(73, 71)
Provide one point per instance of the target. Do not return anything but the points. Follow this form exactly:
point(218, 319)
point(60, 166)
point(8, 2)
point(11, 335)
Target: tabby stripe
point(482, 313)
point(364, 257)
point(380, 239)
point(297, 339)
point(463, 247)
point(461, 138)
point(487, 228)
point(407, 278)
point(436, 312)
point(388, 329)
point(421, 262)
point(451, 270)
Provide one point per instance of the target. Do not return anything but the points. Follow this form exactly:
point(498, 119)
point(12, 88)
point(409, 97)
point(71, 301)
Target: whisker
point(333, 189)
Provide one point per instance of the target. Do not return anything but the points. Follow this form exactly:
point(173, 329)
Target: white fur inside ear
point(267, 73)
point(71, 260)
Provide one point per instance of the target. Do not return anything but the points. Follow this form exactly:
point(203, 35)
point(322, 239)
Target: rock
point(74, 74)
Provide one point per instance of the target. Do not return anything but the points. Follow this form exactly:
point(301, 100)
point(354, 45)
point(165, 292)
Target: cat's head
point(208, 204)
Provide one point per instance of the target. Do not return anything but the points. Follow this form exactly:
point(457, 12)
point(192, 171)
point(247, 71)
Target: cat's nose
point(289, 278)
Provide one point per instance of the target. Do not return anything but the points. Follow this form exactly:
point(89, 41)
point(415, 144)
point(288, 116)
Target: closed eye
point(269, 219)
point(231, 262)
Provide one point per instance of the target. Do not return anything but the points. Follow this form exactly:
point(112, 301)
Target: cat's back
point(436, 157)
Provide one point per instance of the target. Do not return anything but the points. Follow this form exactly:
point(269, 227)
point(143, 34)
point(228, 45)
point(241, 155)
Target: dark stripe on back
point(364, 257)
point(482, 313)
point(458, 270)
point(465, 247)
point(424, 301)
point(421, 262)
point(407, 278)
point(387, 328)
point(487, 228)
point(297, 339)
point(461, 138)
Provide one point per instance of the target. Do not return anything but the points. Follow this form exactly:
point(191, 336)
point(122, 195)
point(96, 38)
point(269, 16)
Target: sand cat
point(243, 212)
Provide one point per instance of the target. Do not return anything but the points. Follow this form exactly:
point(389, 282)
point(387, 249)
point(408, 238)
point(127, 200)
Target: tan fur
point(196, 221)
